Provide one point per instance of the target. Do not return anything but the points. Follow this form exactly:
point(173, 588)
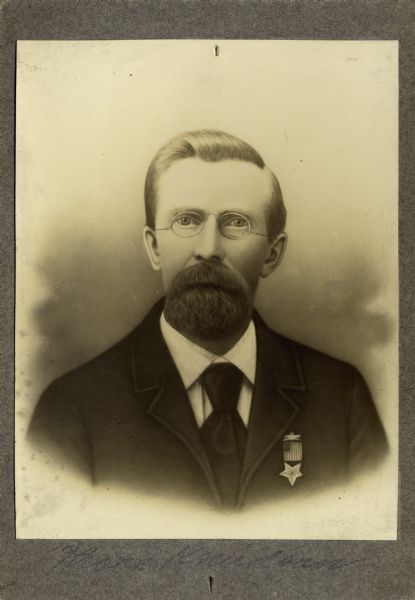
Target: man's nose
point(209, 242)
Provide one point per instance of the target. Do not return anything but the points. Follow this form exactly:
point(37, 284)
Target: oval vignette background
point(91, 115)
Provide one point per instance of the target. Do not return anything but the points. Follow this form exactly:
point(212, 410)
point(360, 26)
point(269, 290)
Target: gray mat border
point(151, 569)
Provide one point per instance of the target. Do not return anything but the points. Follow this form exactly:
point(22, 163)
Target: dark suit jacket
point(124, 418)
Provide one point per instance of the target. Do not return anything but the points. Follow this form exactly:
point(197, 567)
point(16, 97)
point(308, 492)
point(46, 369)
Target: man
point(203, 400)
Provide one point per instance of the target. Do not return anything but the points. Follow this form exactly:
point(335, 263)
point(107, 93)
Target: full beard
point(208, 301)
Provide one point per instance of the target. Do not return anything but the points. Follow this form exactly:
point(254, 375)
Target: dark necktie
point(223, 433)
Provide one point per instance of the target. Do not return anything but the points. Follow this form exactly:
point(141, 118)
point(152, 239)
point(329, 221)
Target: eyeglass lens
point(231, 225)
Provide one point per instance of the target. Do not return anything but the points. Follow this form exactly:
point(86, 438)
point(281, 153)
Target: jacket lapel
point(157, 380)
point(274, 408)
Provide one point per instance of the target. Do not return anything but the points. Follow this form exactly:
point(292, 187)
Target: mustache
point(210, 275)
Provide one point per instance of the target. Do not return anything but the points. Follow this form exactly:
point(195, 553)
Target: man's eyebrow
point(239, 211)
point(176, 211)
point(184, 209)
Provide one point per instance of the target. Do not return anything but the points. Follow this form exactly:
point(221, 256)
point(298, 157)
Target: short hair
point(212, 145)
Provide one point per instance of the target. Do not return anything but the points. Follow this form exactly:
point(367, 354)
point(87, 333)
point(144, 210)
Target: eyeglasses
point(232, 225)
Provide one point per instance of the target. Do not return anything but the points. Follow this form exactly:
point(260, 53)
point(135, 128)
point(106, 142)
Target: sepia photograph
point(207, 289)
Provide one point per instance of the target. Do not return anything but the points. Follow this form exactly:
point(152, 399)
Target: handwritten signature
point(91, 558)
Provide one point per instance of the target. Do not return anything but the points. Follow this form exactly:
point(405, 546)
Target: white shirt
point(191, 360)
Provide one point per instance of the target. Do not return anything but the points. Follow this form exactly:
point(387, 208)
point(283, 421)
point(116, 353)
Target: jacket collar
point(279, 377)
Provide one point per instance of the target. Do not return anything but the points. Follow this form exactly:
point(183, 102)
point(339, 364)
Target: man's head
point(212, 146)
point(215, 221)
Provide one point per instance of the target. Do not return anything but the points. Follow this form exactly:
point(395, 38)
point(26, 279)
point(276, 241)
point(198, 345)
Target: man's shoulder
point(276, 347)
point(113, 362)
point(100, 385)
point(322, 384)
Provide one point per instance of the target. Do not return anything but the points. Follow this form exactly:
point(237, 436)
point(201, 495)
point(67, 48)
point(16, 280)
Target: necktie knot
point(222, 382)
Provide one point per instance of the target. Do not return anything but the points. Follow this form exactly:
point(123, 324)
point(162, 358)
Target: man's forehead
point(197, 181)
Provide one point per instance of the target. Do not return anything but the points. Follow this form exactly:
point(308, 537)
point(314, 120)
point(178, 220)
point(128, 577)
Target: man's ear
point(275, 254)
point(150, 243)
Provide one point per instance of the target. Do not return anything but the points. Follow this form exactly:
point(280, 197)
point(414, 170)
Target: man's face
point(210, 190)
point(213, 189)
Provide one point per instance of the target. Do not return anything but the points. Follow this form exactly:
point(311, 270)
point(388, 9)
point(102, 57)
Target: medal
point(292, 448)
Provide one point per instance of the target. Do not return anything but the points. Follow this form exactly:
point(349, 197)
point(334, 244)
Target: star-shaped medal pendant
point(291, 472)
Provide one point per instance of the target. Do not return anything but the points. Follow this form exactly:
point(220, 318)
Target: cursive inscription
point(90, 558)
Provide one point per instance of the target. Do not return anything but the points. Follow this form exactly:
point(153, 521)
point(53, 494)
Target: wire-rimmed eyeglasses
point(232, 225)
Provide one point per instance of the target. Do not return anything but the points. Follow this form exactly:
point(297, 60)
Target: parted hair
point(212, 145)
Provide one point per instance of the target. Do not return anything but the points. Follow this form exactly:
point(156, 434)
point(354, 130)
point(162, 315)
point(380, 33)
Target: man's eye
point(187, 220)
point(237, 222)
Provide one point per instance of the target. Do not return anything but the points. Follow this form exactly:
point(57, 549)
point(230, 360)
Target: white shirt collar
point(191, 359)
